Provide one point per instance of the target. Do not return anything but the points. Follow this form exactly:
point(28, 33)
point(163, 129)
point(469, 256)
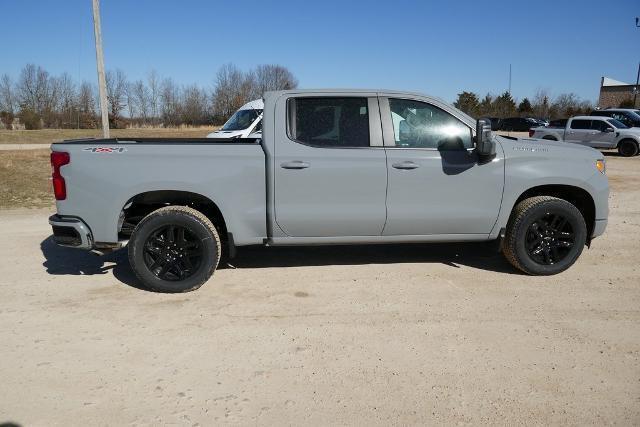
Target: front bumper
point(71, 232)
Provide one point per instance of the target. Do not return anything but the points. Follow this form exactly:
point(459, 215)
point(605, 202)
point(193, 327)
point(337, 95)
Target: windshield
point(618, 124)
point(241, 119)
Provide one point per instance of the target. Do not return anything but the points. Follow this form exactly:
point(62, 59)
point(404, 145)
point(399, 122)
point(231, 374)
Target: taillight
point(531, 132)
point(59, 159)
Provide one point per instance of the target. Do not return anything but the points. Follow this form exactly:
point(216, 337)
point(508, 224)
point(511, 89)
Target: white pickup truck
point(596, 132)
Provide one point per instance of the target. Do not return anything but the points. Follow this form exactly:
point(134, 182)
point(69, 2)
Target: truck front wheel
point(545, 235)
point(174, 249)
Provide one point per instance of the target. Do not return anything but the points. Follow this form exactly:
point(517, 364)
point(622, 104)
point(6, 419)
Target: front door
point(603, 135)
point(330, 168)
point(436, 183)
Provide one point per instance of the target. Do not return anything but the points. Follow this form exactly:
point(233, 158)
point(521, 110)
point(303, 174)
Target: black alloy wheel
point(173, 253)
point(550, 239)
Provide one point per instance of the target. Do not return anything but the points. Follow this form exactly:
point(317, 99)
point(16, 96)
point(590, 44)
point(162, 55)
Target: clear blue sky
point(436, 47)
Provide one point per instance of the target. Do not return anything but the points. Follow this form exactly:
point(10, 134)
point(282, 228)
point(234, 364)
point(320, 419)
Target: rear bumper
point(598, 227)
point(71, 232)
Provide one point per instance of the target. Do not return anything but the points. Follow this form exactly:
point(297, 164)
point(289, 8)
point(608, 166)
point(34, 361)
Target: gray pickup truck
point(333, 167)
point(594, 131)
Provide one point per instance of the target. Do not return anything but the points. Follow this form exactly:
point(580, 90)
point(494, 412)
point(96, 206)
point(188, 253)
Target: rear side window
point(329, 122)
point(581, 124)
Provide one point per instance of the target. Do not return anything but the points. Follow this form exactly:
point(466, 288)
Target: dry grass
point(25, 179)
point(47, 136)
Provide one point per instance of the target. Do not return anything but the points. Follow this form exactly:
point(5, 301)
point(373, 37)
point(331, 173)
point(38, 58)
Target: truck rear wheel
point(545, 235)
point(628, 148)
point(174, 249)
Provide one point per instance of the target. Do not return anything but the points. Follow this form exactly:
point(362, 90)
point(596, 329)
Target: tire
point(544, 236)
point(174, 249)
point(628, 148)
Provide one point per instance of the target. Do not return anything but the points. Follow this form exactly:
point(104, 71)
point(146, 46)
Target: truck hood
point(521, 147)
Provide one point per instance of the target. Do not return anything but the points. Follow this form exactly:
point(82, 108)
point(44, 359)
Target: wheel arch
point(142, 204)
point(628, 138)
point(579, 197)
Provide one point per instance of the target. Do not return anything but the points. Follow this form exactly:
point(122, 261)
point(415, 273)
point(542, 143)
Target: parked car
point(596, 132)
point(628, 116)
point(243, 123)
point(518, 124)
point(332, 167)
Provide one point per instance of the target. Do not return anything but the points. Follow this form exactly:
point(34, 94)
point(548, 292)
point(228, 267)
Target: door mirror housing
point(608, 130)
point(485, 145)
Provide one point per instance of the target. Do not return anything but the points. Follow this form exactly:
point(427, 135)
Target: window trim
point(387, 123)
point(375, 128)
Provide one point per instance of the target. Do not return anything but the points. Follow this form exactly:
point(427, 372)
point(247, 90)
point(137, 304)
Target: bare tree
point(170, 103)
point(274, 77)
point(116, 94)
point(7, 95)
point(33, 88)
point(194, 106)
point(131, 104)
point(540, 104)
point(226, 95)
point(141, 99)
point(87, 106)
point(68, 102)
point(153, 82)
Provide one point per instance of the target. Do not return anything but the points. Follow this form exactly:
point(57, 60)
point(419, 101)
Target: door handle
point(406, 165)
point(296, 164)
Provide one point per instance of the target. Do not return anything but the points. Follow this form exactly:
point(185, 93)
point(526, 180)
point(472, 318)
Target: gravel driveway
point(375, 335)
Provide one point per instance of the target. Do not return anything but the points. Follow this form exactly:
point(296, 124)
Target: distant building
point(613, 92)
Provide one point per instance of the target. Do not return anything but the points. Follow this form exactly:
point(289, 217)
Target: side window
point(420, 125)
point(581, 124)
point(600, 125)
point(329, 122)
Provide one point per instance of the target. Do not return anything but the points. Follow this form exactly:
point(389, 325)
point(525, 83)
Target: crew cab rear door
point(578, 131)
point(437, 185)
point(330, 167)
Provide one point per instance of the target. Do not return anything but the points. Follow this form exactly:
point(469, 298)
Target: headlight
point(601, 166)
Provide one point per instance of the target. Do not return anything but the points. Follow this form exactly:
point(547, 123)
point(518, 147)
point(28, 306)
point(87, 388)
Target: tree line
point(542, 105)
point(41, 100)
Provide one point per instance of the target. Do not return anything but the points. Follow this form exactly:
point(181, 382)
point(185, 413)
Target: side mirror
point(485, 145)
point(608, 130)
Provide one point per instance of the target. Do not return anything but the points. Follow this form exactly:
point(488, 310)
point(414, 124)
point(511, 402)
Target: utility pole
point(102, 82)
point(635, 89)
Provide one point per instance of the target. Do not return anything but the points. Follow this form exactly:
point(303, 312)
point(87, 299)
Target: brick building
point(613, 92)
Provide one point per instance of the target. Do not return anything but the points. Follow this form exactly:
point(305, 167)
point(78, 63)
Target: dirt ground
point(376, 335)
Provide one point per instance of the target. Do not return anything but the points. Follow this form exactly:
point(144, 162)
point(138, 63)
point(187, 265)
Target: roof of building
point(606, 81)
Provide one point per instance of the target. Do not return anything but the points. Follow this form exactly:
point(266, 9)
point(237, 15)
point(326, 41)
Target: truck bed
point(105, 174)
